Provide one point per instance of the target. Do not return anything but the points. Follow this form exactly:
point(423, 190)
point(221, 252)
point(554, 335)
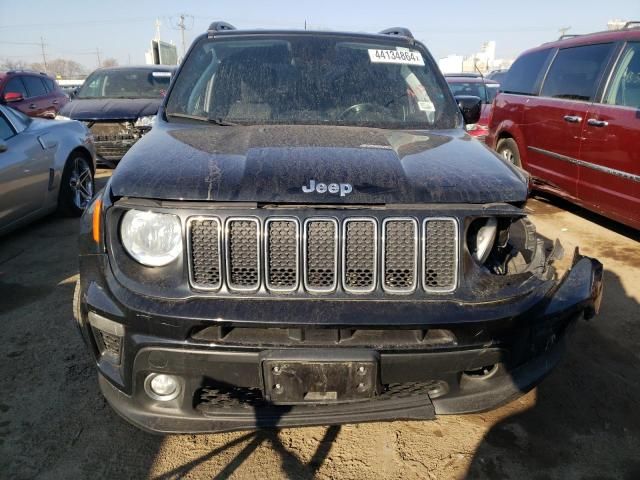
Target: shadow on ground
point(583, 409)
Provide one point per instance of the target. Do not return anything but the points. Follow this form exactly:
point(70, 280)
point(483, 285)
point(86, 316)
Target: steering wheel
point(360, 108)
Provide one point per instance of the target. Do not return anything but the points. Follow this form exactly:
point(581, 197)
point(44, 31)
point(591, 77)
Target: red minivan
point(569, 113)
point(34, 94)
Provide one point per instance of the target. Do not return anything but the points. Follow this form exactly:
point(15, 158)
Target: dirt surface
point(583, 421)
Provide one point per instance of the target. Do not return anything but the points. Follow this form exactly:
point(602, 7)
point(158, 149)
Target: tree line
point(57, 68)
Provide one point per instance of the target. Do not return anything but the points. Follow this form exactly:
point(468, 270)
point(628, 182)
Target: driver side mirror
point(470, 106)
point(3, 147)
point(13, 97)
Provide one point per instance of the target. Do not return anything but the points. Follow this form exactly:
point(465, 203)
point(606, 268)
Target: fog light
point(162, 387)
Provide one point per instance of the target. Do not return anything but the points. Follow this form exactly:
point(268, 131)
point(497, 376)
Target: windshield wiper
point(217, 121)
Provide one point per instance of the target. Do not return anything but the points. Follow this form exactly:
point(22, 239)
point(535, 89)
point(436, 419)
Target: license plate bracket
point(292, 378)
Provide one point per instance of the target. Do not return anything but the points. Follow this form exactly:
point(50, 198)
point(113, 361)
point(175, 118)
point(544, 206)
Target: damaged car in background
point(119, 104)
point(316, 239)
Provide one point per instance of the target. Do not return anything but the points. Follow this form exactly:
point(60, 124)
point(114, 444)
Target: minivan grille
point(321, 255)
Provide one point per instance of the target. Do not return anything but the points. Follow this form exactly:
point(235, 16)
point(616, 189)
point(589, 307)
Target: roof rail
point(220, 27)
point(399, 31)
point(632, 24)
point(569, 35)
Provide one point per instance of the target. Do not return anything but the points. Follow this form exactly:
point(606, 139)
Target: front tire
point(77, 186)
point(508, 149)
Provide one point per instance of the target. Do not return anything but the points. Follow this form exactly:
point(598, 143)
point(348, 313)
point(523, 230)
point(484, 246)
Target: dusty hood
point(271, 164)
point(110, 108)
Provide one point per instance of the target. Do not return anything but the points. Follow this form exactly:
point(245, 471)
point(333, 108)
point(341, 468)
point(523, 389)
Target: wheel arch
point(511, 130)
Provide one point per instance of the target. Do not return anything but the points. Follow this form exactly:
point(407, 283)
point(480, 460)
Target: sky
point(122, 30)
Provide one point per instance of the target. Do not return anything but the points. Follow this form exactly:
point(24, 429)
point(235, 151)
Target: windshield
point(300, 79)
point(140, 83)
point(476, 89)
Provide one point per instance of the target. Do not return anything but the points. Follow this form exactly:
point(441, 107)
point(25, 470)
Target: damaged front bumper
point(473, 357)
point(114, 139)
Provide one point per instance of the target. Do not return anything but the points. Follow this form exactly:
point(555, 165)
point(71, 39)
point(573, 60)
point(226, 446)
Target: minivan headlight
point(152, 239)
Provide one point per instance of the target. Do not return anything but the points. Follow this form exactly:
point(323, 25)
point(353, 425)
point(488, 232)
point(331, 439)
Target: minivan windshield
point(126, 83)
point(311, 80)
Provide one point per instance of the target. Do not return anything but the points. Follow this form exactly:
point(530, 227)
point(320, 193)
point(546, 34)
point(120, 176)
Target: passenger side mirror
point(470, 106)
point(13, 97)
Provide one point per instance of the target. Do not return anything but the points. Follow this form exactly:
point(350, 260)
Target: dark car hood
point(110, 108)
point(270, 164)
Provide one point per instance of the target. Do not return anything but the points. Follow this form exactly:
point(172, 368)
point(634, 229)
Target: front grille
point(360, 255)
point(321, 255)
point(440, 239)
point(204, 244)
point(113, 139)
point(400, 254)
point(282, 254)
point(243, 256)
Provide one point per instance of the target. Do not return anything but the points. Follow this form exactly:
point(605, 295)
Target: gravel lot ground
point(583, 422)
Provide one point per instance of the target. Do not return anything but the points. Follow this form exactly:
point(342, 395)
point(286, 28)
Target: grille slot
point(243, 254)
point(321, 255)
point(281, 254)
point(440, 254)
point(360, 253)
point(204, 243)
point(400, 254)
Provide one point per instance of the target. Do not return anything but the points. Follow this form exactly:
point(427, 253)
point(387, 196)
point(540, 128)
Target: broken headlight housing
point(145, 122)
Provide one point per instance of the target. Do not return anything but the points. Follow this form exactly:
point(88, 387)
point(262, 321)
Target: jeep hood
point(105, 109)
point(271, 164)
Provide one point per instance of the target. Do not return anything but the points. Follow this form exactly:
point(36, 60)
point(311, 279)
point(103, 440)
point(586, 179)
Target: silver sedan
point(45, 165)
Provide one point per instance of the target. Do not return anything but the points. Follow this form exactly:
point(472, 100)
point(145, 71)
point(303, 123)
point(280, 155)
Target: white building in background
point(451, 64)
point(484, 61)
point(616, 24)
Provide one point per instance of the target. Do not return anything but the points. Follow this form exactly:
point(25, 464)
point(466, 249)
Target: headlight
point(61, 117)
point(484, 238)
point(153, 239)
point(145, 122)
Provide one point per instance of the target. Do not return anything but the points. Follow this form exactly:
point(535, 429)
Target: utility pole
point(98, 55)
point(44, 57)
point(182, 28)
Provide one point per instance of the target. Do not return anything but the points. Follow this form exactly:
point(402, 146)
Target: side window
point(34, 85)
point(523, 75)
point(49, 84)
point(575, 72)
point(15, 85)
point(624, 89)
point(6, 131)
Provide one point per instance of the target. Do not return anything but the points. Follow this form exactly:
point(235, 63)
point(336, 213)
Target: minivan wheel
point(508, 149)
point(77, 186)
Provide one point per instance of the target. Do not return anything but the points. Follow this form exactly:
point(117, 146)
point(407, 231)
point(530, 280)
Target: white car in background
point(45, 165)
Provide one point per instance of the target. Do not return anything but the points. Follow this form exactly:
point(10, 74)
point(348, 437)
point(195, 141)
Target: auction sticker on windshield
point(402, 57)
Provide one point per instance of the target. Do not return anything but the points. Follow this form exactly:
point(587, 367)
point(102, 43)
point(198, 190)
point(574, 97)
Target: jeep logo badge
point(335, 188)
